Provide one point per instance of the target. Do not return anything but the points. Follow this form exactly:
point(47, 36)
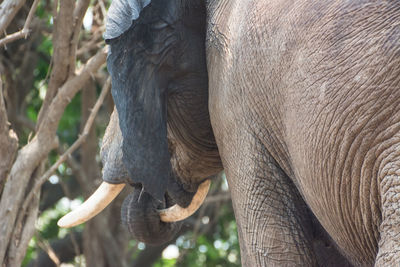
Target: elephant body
point(299, 103)
point(305, 104)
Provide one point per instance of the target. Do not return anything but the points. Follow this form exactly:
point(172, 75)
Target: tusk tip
point(92, 206)
point(177, 213)
point(64, 222)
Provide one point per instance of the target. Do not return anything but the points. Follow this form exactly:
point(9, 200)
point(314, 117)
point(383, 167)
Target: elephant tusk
point(177, 213)
point(92, 206)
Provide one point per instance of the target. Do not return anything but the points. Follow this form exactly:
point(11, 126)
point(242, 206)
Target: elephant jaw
point(106, 193)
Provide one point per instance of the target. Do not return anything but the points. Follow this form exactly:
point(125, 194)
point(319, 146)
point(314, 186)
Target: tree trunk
point(8, 142)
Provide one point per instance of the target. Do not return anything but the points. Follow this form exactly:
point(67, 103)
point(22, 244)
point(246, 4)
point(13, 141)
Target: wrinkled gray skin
point(161, 141)
point(304, 102)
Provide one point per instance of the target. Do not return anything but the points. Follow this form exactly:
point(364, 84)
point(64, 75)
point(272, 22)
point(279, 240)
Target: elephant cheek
point(139, 214)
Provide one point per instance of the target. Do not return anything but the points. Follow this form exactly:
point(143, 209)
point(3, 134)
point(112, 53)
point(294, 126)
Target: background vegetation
point(52, 73)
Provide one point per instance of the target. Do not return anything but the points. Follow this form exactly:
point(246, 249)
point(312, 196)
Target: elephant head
point(159, 139)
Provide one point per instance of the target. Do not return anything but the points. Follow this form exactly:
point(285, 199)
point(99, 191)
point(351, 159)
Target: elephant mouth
point(107, 192)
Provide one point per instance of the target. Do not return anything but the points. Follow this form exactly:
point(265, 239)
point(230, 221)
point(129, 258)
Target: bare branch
point(8, 142)
point(8, 10)
point(45, 246)
point(62, 248)
point(89, 46)
point(30, 156)
point(79, 12)
point(75, 167)
point(12, 37)
point(68, 90)
point(95, 42)
point(22, 233)
point(26, 232)
point(61, 68)
point(3, 111)
point(25, 30)
point(103, 8)
point(71, 149)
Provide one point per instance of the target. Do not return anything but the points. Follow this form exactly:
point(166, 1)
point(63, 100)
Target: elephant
point(297, 101)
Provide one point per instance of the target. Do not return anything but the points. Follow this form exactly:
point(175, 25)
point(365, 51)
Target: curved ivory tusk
point(177, 213)
point(92, 206)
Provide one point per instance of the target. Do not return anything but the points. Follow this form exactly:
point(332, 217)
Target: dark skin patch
point(139, 213)
point(161, 56)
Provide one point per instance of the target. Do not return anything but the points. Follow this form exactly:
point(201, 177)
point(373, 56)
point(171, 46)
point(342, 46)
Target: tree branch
point(22, 235)
point(63, 249)
point(25, 30)
point(8, 142)
point(67, 91)
point(79, 12)
point(45, 246)
point(30, 156)
point(8, 10)
point(71, 149)
point(62, 36)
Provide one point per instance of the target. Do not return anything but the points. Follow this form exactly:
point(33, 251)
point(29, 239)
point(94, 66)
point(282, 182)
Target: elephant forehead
point(120, 16)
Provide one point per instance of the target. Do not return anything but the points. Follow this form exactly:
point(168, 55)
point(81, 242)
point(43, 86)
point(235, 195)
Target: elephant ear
point(120, 16)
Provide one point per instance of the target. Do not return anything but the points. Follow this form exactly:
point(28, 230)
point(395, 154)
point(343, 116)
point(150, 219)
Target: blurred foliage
point(216, 247)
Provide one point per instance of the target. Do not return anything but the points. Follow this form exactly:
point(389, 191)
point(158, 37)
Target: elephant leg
point(274, 224)
point(389, 242)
